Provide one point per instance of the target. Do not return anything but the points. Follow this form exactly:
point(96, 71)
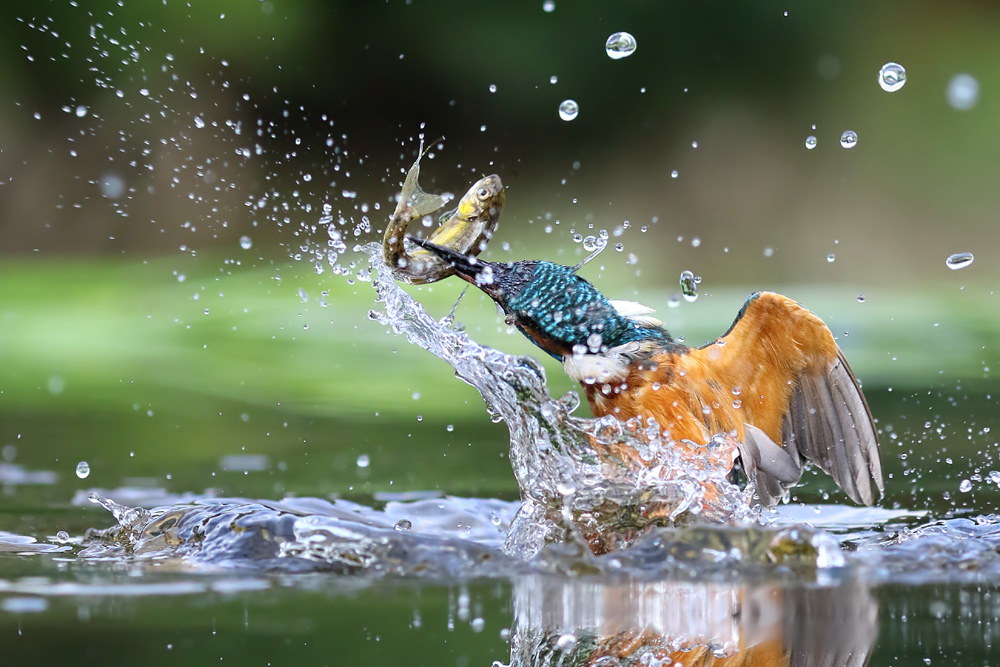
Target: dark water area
point(936, 598)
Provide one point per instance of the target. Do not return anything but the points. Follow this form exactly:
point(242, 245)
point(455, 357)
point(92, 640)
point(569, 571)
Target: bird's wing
point(791, 381)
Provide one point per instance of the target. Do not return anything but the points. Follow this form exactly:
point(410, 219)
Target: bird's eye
point(482, 193)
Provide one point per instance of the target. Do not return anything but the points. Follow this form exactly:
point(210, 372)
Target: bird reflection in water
point(562, 622)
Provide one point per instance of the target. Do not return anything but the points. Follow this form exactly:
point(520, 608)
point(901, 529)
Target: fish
point(466, 230)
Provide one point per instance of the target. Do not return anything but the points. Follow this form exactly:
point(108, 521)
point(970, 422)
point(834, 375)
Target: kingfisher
point(776, 380)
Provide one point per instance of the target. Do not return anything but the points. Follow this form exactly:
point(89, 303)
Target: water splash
point(595, 481)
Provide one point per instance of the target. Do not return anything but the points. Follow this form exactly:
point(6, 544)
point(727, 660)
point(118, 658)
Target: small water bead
point(403, 525)
point(548, 6)
point(620, 45)
point(673, 174)
point(861, 298)
point(810, 142)
point(963, 92)
point(81, 111)
point(965, 486)
point(83, 470)
point(569, 109)
point(566, 488)
point(674, 301)
point(849, 139)
point(363, 461)
point(553, 79)
point(493, 87)
point(689, 288)
point(959, 260)
point(565, 642)
point(891, 77)
point(246, 242)
point(62, 537)
point(477, 624)
point(831, 258)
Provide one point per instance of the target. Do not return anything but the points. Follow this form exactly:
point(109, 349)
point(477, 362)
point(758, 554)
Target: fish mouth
point(466, 267)
point(493, 183)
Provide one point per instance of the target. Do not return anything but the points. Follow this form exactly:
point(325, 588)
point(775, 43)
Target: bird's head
point(561, 312)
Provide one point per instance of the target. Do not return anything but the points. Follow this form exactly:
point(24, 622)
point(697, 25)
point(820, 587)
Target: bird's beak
point(467, 267)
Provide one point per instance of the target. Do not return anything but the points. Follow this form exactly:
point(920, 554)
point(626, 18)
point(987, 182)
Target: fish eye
point(482, 193)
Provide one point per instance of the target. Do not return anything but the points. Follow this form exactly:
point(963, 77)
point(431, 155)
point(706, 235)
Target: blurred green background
point(140, 142)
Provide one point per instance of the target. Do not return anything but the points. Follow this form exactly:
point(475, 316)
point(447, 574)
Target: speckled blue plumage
point(566, 309)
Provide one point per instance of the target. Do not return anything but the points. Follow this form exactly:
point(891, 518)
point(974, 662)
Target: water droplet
point(363, 461)
point(553, 79)
point(810, 142)
point(477, 624)
point(831, 258)
point(493, 87)
point(891, 77)
point(861, 298)
point(246, 242)
point(565, 642)
point(620, 45)
point(198, 122)
point(565, 488)
point(83, 470)
point(56, 385)
point(81, 111)
point(959, 260)
point(963, 92)
point(62, 537)
point(403, 524)
point(674, 301)
point(849, 139)
point(965, 486)
point(569, 109)
point(548, 6)
point(112, 186)
point(689, 288)
point(673, 174)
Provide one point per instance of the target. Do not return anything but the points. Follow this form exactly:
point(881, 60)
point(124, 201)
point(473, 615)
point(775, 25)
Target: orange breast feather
point(779, 369)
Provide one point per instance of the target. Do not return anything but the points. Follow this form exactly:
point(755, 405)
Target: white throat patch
point(595, 368)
